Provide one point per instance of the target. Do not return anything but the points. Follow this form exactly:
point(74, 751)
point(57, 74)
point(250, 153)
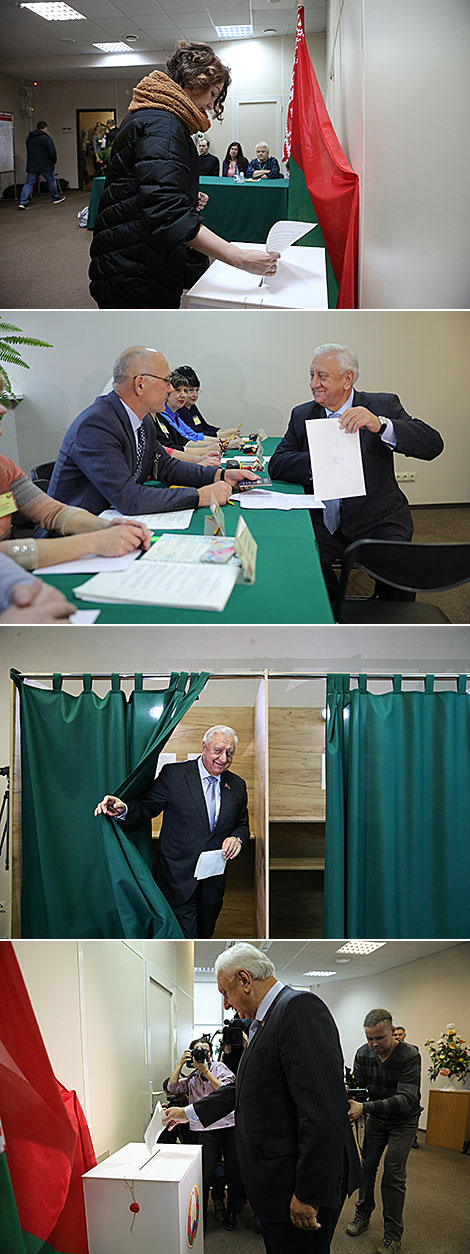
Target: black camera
point(198, 1054)
point(232, 1033)
point(358, 1095)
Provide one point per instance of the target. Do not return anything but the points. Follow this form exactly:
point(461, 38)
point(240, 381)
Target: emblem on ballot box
point(193, 1216)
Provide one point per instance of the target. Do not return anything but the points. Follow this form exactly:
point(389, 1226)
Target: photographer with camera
point(233, 1041)
point(391, 1071)
point(207, 1076)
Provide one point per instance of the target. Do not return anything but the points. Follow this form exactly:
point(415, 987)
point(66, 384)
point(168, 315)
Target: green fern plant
point(10, 338)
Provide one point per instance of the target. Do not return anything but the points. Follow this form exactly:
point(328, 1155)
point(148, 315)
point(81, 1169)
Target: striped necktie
point(211, 799)
point(140, 450)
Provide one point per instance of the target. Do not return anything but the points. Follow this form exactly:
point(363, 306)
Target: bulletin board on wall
point(7, 147)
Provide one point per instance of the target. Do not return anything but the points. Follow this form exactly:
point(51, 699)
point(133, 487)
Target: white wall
point(399, 102)
point(259, 67)
point(423, 996)
point(90, 1000)
point(254, 372)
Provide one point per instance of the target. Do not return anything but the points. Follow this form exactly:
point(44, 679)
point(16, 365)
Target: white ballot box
point(164, 1190)
point(299, 283)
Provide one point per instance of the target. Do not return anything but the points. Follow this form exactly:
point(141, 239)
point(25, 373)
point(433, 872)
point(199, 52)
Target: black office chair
point(401, 564)
point(41, 475)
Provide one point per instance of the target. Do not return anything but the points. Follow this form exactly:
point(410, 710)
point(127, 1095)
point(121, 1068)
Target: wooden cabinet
point(448, 1119)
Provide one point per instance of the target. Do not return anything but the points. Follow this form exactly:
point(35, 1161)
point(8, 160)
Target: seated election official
point(192, 415)
point(294, 1143)
point(178, 437)
point(385, 428)
point(209, 166)
point(111, 449)
point(263, 166)
point(204, 809)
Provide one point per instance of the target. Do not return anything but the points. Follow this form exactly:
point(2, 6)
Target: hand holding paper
point(336, 459)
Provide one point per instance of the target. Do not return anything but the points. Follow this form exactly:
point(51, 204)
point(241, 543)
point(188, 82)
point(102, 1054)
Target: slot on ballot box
point(164, 1189)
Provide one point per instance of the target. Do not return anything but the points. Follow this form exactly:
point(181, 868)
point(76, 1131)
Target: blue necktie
point(332, 510)
point(211, 799)
point(253, 1028)
point(140, 450)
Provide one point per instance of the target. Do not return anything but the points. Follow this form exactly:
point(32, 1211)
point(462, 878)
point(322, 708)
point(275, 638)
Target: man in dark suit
point(204, 809)
point(385, 427)
point(111, 449)
point(295, 1147)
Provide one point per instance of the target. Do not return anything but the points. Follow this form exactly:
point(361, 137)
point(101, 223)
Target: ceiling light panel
point(55, 12)
point(322, 973)
point(119, 47)
point(360, 947)
point(234, 32)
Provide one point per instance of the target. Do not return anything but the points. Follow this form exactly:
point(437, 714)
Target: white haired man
point(295, 1147)
point(204, 808)
point(384, 427)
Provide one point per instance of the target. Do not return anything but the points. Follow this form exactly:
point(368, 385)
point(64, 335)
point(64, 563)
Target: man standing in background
point(41, 158)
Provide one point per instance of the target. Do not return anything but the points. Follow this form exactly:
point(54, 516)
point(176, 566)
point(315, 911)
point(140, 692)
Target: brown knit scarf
point(158, 91)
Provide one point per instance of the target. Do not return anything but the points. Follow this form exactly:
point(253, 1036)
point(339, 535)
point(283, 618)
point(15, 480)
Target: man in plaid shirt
point(390, 1070)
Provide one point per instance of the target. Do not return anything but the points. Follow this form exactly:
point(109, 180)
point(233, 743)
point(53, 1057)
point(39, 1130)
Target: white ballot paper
point(283, 234)
point(174, 520)
point(177, 584)
point(154, 1128)
point(89, 565)
point(211, 862)
point(336, 459)
point(265, 499)
point(84, 616)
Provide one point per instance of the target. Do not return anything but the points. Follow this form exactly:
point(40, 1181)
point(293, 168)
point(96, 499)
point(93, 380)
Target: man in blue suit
point(111, 449)
point(384, 427)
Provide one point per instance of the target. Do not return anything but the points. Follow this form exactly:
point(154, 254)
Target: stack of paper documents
point(264, 499)
point(180, 585)
point(174, 520)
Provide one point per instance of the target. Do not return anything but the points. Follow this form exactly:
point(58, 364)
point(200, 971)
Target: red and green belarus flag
point(45, 1144)
point(319, 172)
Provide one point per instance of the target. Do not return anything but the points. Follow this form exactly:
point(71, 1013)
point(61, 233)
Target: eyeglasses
point(145, 375)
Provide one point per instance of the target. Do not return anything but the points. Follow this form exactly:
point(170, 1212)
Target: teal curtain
point(398, 811)
point(82, 876)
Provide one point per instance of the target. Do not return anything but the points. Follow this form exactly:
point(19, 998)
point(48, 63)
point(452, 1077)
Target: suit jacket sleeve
point(290, 462)
point(216, 1105)
point(242, 826)
point(312, 1062)
point(99, 455)
point(151, 803)
point(414, 437)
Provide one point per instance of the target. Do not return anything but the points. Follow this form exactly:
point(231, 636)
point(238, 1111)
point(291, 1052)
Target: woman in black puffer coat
point(148, 227)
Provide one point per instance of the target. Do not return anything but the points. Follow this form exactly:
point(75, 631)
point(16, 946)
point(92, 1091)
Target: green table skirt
point(244, 211)
point(289, 585)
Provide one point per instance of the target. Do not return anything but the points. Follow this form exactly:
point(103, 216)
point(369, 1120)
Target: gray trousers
point(397, 1142)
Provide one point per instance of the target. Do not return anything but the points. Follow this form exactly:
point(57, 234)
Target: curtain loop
point(362, 683)
point(429, 684)
point(138, 682)
point(87, 683)
point(462, 684)
point(397, 683)
point(115, 683)
point(57, 681)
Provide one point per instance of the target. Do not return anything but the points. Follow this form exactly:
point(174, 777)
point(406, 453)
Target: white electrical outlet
point(407, 476)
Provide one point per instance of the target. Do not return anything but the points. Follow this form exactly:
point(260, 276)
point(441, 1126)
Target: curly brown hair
point(197, 65)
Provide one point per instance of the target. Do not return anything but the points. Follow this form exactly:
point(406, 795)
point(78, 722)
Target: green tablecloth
point(289, 584)
point(97, 189)
point(244, 211)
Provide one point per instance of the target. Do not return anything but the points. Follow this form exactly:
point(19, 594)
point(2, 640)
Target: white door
point(160, 1029)
point(260, 120)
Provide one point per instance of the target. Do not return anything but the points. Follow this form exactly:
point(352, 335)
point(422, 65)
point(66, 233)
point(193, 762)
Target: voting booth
point(142, 1203)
